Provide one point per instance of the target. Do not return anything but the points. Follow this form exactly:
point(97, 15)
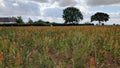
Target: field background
point(60, 47)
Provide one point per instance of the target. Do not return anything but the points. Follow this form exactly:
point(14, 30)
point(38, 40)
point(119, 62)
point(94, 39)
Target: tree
point(100, 17)
point(72, 15)
point(19, 20)
point(39, 22)
point(30, 21)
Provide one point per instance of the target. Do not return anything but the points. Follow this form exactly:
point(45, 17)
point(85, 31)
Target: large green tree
point(72, 15)
point(100, 17)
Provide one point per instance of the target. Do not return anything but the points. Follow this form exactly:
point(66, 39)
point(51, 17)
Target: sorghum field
point(60, 47)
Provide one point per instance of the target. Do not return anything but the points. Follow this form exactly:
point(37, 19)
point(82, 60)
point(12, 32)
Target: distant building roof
point(7, 19)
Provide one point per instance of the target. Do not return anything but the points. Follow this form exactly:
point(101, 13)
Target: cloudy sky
point(51, 10)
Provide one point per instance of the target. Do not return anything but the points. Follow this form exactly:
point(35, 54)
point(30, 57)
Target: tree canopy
point(72, 15)
point(30, 21)
point(19, 20)
point(100, 17)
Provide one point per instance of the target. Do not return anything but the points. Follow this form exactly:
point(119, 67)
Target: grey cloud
point(41, 1)
point(61, 3)
point(67, 3)
point(52, 1)
point(102, 2)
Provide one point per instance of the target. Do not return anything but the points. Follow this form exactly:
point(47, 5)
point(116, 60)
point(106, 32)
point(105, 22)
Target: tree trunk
point(99, 22)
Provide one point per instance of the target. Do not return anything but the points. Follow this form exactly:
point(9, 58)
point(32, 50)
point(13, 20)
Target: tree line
point(20, 21)
point(71, 15)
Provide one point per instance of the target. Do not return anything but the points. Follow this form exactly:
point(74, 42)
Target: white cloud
point(19, 9)
point(114, 17)
point(114, 21)
point(2, 3)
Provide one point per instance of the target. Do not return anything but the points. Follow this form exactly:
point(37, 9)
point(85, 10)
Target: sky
point(52, 10)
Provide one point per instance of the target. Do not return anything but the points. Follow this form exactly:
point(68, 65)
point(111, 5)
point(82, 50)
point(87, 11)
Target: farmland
point(60, 47)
